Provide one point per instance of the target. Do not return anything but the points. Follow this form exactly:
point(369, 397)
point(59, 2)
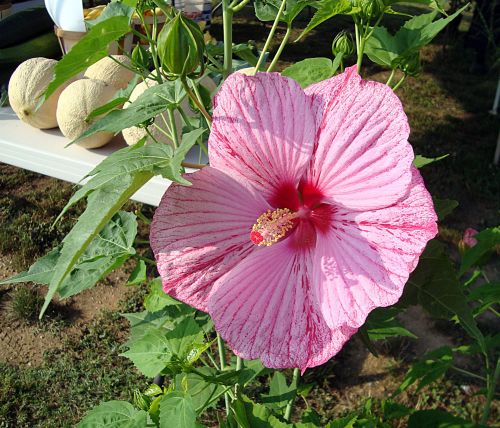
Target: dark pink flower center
point(299, 215)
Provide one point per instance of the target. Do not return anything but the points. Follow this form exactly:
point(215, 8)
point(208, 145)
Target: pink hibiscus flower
point(469, 237)
point(309, 216)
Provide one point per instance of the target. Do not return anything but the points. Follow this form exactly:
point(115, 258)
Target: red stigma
point(256, 237)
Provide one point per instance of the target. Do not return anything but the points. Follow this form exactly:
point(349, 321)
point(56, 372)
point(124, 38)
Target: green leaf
point(157, 299)
point(487, 240)
point(382, 323)
point(280, 392)
point(177, 410)
point(430, 368)
point(90, 49)
point(327, 9)
point(110, 248)
point(118, 99)
point(150, 353)
point(251, 415)
point(114, 414)
point(438, 419)
point(138, 275)
point(183, 338)
point(40, 272)
point(393, 410)
point(103, 203)
point(153, 101)
point(200, 390)
point(267, 10)
point(345, 422)
point(386, 49)
point(421, 161)
point(435, 286)
point(107, 251)
point(444, 207)
point(311, 70)
point(112, 9)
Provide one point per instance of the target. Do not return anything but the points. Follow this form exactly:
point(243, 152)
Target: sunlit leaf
point(177, 410)
point(114, 414)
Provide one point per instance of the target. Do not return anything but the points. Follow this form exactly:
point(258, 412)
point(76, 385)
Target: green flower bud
point(343, 43)
point(369, 8)
point(140, 57)
point(412, 66)
point(181, 47)
point(141, 401)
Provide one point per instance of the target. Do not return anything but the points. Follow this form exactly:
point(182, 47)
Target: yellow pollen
point(271, 226)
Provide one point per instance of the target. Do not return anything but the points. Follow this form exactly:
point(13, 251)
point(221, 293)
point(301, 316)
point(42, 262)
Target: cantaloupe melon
point(134, 134)
point(111, 72)
point(26, 87)
point(75, 103)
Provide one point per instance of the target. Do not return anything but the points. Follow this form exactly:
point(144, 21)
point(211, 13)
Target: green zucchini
point(45, 46)
point(24, 25)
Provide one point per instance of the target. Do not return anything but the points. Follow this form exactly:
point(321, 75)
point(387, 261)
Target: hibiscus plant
point(308, 222)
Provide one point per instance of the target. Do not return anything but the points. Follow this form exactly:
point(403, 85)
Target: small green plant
point(25, 304)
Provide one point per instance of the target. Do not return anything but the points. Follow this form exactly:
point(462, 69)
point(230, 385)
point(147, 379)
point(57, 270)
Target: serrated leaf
point(280, 392)
point(311, 70)
point(112, 9)
point(444, 207)
point(201, 391)
point(435, 286)
point(439, 419)
point(345, 422)
point(487, 295)
point(385, 49)
point(252, 415)
point(153, 101)
point(177, 410)
point(90, 49)
point(184, 337)
point(267, 10)
point(421, 161)
point(118, 99)
point(327, 9)
point(40, 272)
point(381, 324)
point(102, 204)
point(487, 239)
point(150, 353)
point(157, 299)
point(114, 414)
point(393, 410)
point(428, 369)
point(107, 251)
point(138, 275)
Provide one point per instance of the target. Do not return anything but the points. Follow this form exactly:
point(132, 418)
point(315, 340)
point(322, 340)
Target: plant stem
point(391, 76)
point(227, 23)
point(197, 102)
point(222, 358)
point(280, 49)
point(491, 386)
point(237, 7)
point(175, 135)
point(289, 406)
point(468, 373)
point(270, 36)
point(239, 366)
point(193, 165)
point(399, 83)
point(146, 260)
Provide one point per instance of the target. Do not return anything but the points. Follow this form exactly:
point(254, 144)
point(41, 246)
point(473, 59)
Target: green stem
point(468, 373)
point(491, 386)
point(145, 220)
point(198, 104)
point(239, 366)
point(212, 359)
point(270, 36)
point(399, 83)
point(280, 49)
point(391, 76)
point(237, 7)
point(222, 358)
point(289, 406)
point(146, 260)
point(152, 46)
point(175, 134)
point(227, 22)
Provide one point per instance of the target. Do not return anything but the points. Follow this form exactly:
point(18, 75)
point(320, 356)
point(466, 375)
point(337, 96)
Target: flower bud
point(411, 66)
point(369, 8)
point(343, 43)
point(181, 47)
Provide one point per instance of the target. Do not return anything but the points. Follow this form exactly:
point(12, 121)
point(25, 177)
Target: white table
point(44, 152)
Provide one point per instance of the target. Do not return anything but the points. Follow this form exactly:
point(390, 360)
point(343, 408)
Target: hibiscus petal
point(263, 309)
point(362, 158)
point(200, 232)
point(366, 259)
point(263, 131)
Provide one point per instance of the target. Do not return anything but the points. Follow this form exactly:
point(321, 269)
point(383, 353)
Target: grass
point(25, 303)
